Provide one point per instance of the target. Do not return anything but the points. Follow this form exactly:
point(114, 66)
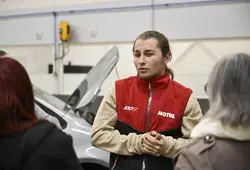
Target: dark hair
point(2, 53)
point(170, 71)
point(163, 44)
point(17, 111)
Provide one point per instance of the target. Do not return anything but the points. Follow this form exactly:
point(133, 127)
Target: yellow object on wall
point(64, 31)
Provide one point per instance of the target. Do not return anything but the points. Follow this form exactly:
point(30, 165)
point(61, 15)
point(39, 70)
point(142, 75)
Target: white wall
point(191, 70)
point(192, 59)
point(6, 5)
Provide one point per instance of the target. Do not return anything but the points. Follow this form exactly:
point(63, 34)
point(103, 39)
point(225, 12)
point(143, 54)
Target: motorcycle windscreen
point(89, 88)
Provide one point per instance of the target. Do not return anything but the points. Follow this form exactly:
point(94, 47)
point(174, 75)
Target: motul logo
point(130, 108)
point(164, 114)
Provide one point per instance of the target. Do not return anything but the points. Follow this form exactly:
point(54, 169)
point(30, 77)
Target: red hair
point(17, 111)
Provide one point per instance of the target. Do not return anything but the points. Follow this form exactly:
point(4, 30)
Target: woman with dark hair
point(26, 142)
point(38, 111)
point(144, 120)
point(222, 138)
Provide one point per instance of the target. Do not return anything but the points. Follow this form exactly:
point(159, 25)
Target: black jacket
point(41, 147)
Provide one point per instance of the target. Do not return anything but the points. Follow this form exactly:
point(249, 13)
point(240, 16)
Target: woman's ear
point(168, 58)
point(169, 55)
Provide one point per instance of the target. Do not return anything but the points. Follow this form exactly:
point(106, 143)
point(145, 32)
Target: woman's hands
point(152, 143)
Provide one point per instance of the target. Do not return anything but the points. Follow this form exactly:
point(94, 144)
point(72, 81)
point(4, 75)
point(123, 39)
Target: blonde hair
point(229, 90)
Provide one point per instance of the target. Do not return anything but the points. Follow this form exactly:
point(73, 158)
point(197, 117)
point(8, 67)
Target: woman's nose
point(142, 60)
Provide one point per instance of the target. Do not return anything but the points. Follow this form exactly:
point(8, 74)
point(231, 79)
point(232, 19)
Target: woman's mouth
point(143, 69)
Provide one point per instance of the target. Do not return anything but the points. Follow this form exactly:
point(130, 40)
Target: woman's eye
point(137, 55)
point(148, 54)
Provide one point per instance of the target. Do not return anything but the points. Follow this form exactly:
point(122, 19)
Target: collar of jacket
point(156, 84)
point(209, 126)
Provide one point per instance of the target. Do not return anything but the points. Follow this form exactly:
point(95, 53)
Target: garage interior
point(60, 42)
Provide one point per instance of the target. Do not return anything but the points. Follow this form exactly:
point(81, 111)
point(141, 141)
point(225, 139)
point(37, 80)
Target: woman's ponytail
point(170, 71)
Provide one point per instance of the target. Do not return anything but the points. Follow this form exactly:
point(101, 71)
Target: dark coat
point(42, 147)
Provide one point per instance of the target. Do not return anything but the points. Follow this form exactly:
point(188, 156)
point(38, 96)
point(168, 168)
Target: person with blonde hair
point(222, 138)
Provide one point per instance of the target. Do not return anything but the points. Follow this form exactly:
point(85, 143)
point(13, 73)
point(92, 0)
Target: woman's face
point(148, 59)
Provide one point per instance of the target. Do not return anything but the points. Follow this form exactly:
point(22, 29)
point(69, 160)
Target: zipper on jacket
point(147, 119)
point(115, 162)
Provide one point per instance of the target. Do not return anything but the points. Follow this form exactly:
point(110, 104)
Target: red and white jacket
point(134, 107)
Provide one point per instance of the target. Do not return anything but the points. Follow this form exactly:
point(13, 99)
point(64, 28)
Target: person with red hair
point(27, 142)
point(38, 111)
